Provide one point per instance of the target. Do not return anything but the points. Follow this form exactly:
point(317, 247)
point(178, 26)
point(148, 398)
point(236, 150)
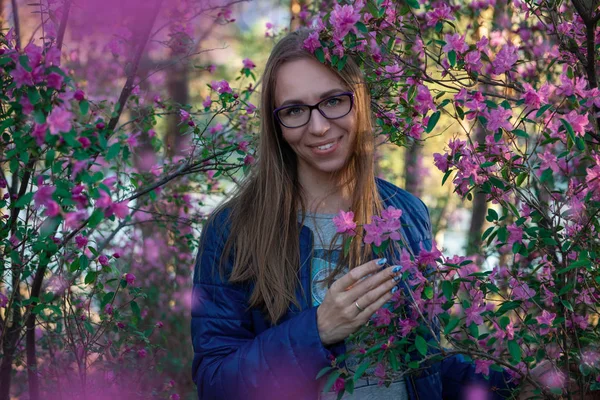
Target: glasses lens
point(294, 116)
point(336, 107)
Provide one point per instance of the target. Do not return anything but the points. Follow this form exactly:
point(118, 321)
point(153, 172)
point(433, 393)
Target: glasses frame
point(314, 107)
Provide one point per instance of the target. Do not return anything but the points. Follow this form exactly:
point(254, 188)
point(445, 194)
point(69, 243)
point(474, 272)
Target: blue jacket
point(240, 355)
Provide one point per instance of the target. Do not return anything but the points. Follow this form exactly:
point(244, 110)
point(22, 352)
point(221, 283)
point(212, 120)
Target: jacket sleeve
point(459, 377)
point(231, 361)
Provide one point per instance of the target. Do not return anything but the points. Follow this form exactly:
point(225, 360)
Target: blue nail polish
point(397, 278)
point(397, 269)
point(394, 289)
point(381, 261)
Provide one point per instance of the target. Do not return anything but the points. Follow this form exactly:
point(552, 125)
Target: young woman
point(273, 299)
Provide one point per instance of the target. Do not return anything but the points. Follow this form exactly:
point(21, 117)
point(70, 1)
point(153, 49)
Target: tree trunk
point(413, 183)
point(479, 209)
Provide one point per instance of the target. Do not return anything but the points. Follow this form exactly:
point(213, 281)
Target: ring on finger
point(360, 309)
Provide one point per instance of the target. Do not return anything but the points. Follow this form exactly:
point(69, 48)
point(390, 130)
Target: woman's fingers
point(374, 295)
point(372, 308)
point(356, 274)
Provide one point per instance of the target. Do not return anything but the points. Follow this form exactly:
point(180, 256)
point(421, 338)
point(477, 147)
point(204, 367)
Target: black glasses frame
point(314, 107)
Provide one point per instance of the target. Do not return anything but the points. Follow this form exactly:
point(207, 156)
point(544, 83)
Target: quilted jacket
point(238, 354)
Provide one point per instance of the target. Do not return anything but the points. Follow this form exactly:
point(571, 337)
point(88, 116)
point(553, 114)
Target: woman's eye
point(293, 111)
point(334, 101)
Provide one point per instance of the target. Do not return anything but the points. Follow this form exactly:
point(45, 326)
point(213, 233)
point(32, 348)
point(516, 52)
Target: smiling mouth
point(326, 145)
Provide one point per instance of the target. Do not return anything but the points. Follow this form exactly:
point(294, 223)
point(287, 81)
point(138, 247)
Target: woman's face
point(322, 145)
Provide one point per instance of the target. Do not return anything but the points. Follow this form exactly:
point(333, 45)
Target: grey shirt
point(323, 263)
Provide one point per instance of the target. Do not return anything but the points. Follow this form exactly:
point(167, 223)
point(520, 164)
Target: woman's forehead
point(305, 81)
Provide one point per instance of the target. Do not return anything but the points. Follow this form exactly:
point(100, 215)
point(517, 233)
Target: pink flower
point(54, 80)
point(159, 324)
point(85, 142)
point(74, 219)
point(52, 209)
point(103, 260)
point(339, 384)
point(104, 201)
point(505, 59)
point(439, 13)
point(441, 161)
point(380, 371)
point(174, 396)
point(423, 100)
point(211, 68)
point(108, 309)
point(43, 195)
point(343, 19)
point(344, 223)
point(39, 133)
point(473, 61)
point(374, 234)
point(81, 241)
point(21, 76)
point(142, 353)
point(545, 319)
point(250, 108)
point(520, 290)
point(120, 209)
point(248, 64)
point(130, 278)
point(405, 326)
point(184, 116)
point(391, 213)
point(515, 234)
point(312, 43)
point(578, 121)
point(383, 316)
point(499, 118)
point(455, 42)
point(534, 98)
point(120, 325)
point(207, 102)
point(59, 120)
point(473, 314)
point(483, 366)
point(3, 300)
point(248, 160)
point(221, 86)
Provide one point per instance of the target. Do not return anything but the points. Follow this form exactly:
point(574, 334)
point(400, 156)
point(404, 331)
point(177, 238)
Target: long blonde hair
point(264, 228)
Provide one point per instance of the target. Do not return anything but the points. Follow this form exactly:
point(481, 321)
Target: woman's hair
point(264, 227)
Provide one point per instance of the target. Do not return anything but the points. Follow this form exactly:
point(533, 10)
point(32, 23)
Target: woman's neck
point(325, 197)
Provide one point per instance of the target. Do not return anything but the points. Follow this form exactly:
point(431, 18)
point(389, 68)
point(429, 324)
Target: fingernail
point(397, 278)
point(394, 289)
point(381, 261)
point(397, 269)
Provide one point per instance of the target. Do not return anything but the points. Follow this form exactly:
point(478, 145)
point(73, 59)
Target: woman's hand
point(339, 314)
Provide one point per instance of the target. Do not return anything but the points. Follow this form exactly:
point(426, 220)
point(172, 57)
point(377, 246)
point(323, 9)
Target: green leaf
point(542, 110)
point(84, 107)
point(113, 151)
point(24, 200)
point(39, 117)
point(453, 323)
point(331, 380)
point(323, 372)
point(90, 277)
point(492, 215)
point(320, 55)
point(413, 3)
point(347, 244)
point(421, 345)
point(520, 133)
point(577, 264)
point(33, 95)
point(515, 351)
point(135, 308)
point(433, 120)
point(521, 178)
point(361, 370)
point(428, 292)
point(84, 262)
point(447, 289)
point(342, 63)
point(452, 58)
point(362, 27)
point(507, 306)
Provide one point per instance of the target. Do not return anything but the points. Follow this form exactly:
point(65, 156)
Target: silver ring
point(359, 307)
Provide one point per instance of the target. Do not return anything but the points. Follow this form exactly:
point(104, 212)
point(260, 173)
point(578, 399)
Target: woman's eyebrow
point(321, 96)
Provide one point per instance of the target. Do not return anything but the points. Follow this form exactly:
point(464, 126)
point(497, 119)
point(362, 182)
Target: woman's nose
point(318, 124)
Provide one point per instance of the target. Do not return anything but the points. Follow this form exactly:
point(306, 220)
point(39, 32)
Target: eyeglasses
point(297, 115)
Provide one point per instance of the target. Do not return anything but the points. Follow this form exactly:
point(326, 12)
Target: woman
point(263, 321)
